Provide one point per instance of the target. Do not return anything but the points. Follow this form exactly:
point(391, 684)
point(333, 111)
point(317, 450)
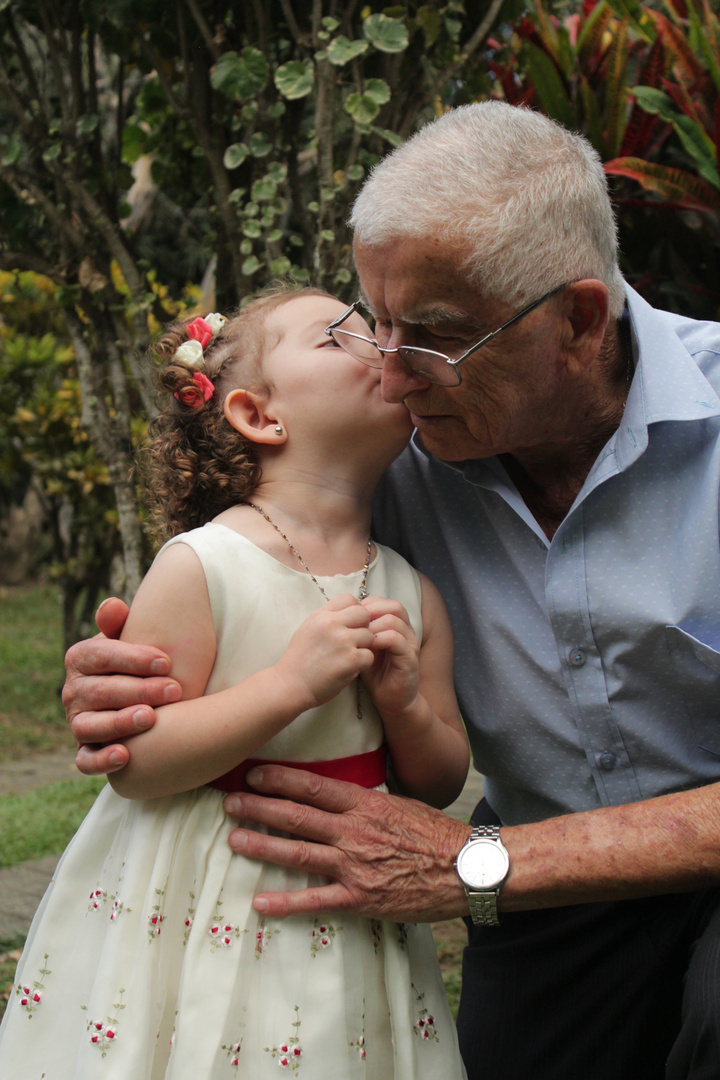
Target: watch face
point(483, 864)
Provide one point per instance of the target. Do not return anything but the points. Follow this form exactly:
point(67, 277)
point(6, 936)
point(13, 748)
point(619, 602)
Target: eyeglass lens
point(424, 362)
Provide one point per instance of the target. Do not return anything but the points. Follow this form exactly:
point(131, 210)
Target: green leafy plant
point(644, 86)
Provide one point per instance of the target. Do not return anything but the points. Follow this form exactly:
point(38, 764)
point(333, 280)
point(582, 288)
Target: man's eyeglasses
point(434, 366)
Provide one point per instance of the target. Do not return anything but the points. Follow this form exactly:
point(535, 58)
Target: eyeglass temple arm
point(341, 318)
point(520, 315)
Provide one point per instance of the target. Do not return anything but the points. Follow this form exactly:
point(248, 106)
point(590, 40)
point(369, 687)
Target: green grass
point(32, 719)
point(42, 822)
point(10, 949)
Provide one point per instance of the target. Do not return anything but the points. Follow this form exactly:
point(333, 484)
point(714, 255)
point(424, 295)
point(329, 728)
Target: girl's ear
point(247, 414)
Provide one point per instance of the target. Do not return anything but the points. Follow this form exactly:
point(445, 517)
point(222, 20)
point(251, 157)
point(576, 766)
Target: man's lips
point(424, 421)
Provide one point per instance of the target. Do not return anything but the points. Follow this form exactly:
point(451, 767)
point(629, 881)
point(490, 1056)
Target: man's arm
point(110, 691)
point(394, 858)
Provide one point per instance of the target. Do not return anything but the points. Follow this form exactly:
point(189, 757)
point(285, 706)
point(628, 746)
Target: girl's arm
point(412, 687)
point(200, 738)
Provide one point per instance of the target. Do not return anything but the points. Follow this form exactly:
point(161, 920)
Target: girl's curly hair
point(197, 464)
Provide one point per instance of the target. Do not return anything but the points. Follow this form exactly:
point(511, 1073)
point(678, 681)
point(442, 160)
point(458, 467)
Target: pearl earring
point(278, 429)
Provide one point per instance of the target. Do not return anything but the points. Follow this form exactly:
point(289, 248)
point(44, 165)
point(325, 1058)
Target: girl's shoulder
point(212, 540)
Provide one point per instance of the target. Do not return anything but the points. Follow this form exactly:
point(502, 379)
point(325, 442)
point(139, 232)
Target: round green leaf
point(259, 145)
point(378, 90)
point(134, 143)
point(327, 235)
point(11, 151)
point(240, 77)
point(280, 266)
point(252, 229)
point(264, 189)
point(251, 265)
point(87, 124)
point(343, 276)
point(329, 23)
point(390, 136)
point(277, 171)
point(276, 110)
point(235, 155)
point(274, 236)
point(246, 247)
point(341, 50)
point(362, 108)
point(295, 79)
point(355, 172)
point(431, 23)
point(387, 35)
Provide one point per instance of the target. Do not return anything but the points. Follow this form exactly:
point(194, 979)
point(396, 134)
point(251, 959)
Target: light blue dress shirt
point(587, 668)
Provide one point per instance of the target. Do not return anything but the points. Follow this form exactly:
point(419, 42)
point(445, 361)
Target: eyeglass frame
point(448, 360)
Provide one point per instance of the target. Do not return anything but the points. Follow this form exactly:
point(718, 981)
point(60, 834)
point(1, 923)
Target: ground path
point(22, 886)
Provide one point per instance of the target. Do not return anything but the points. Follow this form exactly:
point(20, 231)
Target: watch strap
point(483, 905)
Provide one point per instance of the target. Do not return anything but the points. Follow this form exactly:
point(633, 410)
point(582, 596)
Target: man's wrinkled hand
point(110, 691)
point(386, 857)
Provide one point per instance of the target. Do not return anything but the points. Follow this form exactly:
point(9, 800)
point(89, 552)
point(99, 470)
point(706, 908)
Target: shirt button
point(608, 761)
point(577, 658)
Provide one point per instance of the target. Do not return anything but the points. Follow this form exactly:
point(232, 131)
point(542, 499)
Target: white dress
point(146, 959)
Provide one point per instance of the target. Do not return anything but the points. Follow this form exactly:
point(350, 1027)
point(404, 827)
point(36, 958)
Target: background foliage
point(158, 157)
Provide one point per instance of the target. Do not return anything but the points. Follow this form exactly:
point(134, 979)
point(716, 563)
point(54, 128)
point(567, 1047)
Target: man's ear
point(588, 314)
point(247, 413)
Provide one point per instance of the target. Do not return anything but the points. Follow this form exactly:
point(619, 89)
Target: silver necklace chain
point(362, 592)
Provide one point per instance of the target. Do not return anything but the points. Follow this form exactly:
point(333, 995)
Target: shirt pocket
point(697, 672)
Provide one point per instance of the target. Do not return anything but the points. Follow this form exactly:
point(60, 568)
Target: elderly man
point(562, 491)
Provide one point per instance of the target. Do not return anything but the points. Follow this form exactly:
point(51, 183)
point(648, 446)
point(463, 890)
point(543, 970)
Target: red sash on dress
point(368, 770)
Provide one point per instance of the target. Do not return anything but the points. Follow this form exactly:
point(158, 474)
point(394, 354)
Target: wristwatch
point(483, 864)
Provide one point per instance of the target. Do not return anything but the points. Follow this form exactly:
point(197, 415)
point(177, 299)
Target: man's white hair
point(525, 200)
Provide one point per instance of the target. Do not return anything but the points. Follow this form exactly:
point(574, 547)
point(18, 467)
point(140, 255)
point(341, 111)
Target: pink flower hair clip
point(200, 333)
point(196, 393)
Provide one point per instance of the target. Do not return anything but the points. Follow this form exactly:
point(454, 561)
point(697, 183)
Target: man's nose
point(398, 380)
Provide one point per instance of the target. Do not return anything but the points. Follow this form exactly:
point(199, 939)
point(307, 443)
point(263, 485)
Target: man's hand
point(387, 857)
point(110, 690)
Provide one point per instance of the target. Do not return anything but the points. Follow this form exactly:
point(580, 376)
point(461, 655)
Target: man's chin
point(448, 440)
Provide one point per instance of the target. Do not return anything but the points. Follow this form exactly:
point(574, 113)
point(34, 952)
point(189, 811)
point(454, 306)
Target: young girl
point(146, 959)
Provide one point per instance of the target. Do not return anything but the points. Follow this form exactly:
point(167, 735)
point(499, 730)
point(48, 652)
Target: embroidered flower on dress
point(97, 898)
point(30, 997)
point(155, 916)
point(359, 1045)
point(288, 1053)
point(424, 1026)
point(223, 936)
point(289, 1057)
point(262, 939)
point(321, 936)
point(104, 1033)
point(189, 919)
point(222, 933)
point(118, 909)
